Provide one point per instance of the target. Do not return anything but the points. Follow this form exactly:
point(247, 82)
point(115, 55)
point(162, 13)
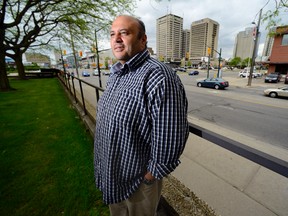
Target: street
point(239, 108)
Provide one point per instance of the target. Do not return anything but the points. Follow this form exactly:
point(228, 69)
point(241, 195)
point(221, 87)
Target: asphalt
point(230, 184)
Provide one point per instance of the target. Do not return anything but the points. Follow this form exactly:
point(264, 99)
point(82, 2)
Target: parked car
point(279, 92)
point(106, 72)
point(191, 73)
point(245, 73)
point(182, 69)
point(95, 72)
point(286, 79)
point(85, 74)
point(273, 77)
point(217, 83)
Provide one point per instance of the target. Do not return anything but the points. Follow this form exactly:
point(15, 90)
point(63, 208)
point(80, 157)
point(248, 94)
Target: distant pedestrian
point(141, 124)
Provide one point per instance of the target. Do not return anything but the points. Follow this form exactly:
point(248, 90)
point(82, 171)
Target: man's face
point(124, 38)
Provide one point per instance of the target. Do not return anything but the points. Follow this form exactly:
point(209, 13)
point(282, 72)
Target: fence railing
point(275, 164)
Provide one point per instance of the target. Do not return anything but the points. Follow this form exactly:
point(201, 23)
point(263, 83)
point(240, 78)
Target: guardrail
point(275, 164)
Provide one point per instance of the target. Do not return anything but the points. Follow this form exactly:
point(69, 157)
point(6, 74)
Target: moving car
point(217, 83)
point(279, 92)
point(273, 77)
point(191, 73)
point(85, 74)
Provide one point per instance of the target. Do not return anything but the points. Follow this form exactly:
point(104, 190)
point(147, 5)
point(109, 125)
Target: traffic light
point(209, 50)
point(64, 52)
point(80, 53)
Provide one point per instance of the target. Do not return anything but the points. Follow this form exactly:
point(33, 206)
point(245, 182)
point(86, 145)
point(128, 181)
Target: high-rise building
point(204, 34)
point(185, 43)
point(169, 37)
point(268, 43)
point(244, 43)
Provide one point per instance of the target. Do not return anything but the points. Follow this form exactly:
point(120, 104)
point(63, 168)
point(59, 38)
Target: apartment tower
point(169, 37)
point(185, 43)
point(204, 34)
point(268, 43)
point(244, 43)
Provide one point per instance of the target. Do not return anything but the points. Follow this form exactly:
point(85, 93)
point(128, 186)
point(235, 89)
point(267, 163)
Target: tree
point(38, 23)
point(272, 16)
point(235, 62)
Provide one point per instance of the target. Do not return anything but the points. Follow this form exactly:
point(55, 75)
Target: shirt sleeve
point(168, 109)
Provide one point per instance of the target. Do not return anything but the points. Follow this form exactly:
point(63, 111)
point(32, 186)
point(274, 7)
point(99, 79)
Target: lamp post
point(219, 61)
point(97, 55)
point(254, 49)
point(97, 52)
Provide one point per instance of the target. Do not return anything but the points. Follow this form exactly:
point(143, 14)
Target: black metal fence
point(275, 164)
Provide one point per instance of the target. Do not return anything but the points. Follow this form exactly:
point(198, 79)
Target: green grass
point(46, 154)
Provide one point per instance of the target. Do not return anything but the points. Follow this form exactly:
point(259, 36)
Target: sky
point(233, 16)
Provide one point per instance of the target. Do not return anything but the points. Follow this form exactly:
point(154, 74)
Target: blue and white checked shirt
point(141, 126)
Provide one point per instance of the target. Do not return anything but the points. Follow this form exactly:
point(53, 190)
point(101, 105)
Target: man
point(141, 124)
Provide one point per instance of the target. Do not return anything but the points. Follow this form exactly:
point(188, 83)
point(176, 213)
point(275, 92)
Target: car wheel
point(273, 94)
point(217, 87)
point(199, 84)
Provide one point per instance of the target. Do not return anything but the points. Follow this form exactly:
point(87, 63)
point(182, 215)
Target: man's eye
point(123, 33)
point(112, 34)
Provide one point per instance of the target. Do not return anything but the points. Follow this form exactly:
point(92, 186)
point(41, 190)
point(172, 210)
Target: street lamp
point(219, 61)
point(97, 53)
point(254, 49)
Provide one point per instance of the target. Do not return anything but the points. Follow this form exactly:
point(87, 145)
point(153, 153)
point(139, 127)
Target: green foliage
point(46, 154)
point(235, 62)
point(272, 16)
point(31, 67)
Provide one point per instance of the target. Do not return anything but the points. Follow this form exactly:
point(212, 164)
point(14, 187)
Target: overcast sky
point(233, 16)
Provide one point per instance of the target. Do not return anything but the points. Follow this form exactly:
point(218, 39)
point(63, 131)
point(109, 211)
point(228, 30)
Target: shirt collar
point(131, 65)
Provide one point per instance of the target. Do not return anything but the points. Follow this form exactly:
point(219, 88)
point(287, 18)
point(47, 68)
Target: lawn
point(46, 154)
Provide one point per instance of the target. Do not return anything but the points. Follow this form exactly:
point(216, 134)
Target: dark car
point(85, 74)
point(273, 77)
point(191, 73)
point(217, 83)
point(286, 79)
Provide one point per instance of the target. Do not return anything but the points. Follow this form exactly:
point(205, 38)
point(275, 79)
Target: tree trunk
point(19, 65)
point(4, 82)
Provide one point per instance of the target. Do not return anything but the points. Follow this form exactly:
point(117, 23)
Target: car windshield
point(272, 75)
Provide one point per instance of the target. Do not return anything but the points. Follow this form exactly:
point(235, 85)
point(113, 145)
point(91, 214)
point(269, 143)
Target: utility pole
point(219, 62)
point(254, 49)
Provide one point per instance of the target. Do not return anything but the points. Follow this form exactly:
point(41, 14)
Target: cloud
point(232, 15)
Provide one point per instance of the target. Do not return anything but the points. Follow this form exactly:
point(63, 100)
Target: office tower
point(204, 34)
point(244, 44)
point(185, 43)
point(169, 37)
point(268, 43)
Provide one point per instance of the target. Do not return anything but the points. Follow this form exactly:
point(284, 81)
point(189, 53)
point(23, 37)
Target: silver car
point(279, 92)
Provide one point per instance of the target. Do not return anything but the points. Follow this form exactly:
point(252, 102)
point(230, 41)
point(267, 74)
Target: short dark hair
point(141, 27)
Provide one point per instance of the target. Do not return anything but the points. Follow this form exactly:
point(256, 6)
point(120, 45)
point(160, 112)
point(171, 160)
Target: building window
point(285, 40)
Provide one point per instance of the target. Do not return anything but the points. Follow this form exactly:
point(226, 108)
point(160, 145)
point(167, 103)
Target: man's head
point(127, 37)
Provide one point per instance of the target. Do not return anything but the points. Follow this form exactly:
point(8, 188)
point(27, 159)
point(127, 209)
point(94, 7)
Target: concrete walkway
point(229, 183)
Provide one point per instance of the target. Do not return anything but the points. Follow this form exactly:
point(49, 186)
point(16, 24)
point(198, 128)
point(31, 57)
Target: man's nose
point(118, 38)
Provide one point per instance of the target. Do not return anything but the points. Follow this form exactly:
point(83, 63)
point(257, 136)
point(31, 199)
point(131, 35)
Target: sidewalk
point(230, 184)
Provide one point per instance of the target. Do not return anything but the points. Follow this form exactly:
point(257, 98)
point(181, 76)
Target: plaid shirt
point(141, 126)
